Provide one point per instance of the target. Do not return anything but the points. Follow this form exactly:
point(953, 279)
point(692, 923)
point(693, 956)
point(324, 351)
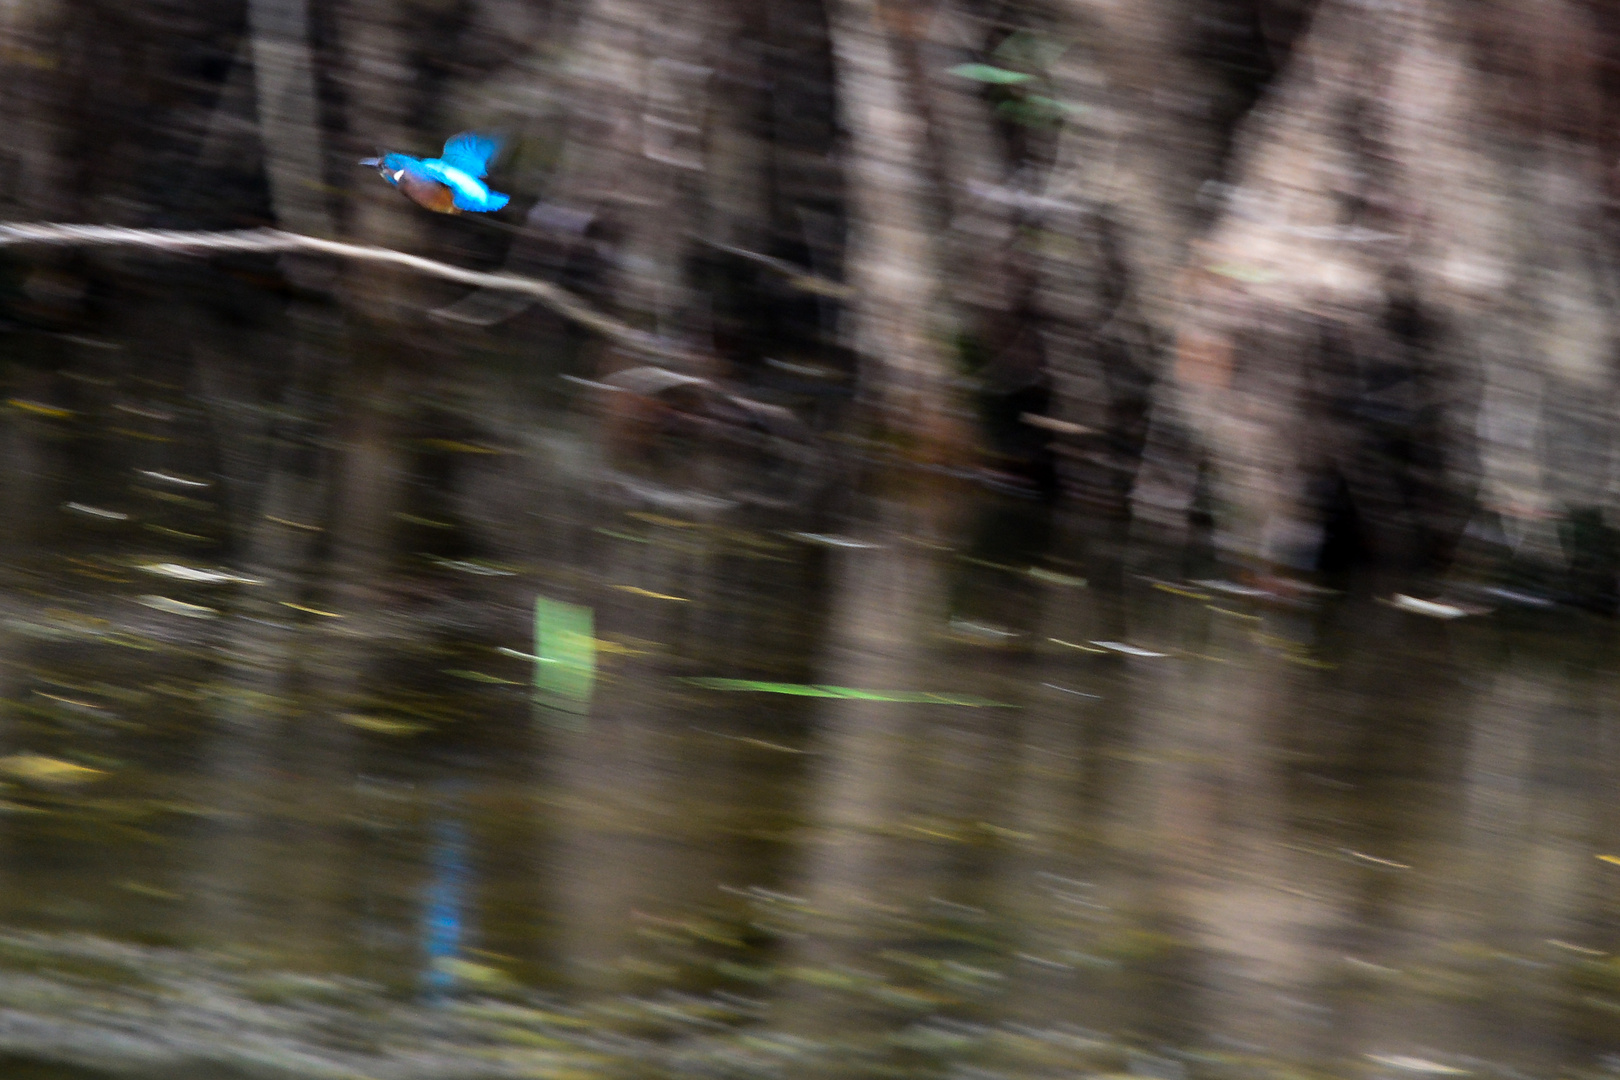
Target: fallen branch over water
point(560, 301)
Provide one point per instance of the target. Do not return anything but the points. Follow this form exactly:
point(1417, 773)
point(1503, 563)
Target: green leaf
point(988, 74)
point(564, 650)
point(920, 697)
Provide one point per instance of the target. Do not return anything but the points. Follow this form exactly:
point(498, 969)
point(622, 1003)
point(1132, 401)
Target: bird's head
point(389, 165)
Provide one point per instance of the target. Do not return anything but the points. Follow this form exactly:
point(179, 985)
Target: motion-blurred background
point(989, 541)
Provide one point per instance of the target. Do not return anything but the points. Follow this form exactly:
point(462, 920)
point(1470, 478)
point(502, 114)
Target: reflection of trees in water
point(854, 865)
point(1181, 858)
point(643, 795)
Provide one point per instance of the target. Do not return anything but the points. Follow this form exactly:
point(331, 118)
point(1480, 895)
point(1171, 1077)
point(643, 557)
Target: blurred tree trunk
point(638, 86)
point(891, 261)
point(1411, 158)
point(34, 85)
point(1155, 90)
point(1265, 282)
point(289, 122)
point(1504, 164)
point(379, 86)
point(973, 165)
point(737, 188)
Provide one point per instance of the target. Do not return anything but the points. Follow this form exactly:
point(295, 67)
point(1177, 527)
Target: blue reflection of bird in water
point(443, 919)
point(450, 183)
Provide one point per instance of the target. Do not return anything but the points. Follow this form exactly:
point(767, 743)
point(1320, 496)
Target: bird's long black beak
point(372, 162)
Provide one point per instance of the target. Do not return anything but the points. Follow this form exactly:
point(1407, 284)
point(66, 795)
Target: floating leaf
point(95, 511)
point(483, 976)
point(564, 649)
point(311, 610)
point(832, 541)
point(140, 889)
point(848, 692)
point(1052, 577)
point(299, 525)
point(197, 575)
point(172, 479)
point(381, 725)
point(39, 410)
point(636, 590)
point(467, 566)
point(1231, 588)
point(985, 73)
point(452, 446)
point(39, 769)
point(428, 522)
point(1416, 1065)
point(622, 535)
point(1128, 650)
point(1433, 609)
point(479, 676)
point(177, 607)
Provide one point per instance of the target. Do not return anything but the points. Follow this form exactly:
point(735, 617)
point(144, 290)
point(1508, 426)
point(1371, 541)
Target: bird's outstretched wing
point(471, 152)
point(485, 202)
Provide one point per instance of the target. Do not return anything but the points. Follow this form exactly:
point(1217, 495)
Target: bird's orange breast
point(429, 193)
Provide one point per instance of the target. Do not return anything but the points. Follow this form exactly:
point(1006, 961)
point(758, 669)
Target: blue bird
point(450, 183)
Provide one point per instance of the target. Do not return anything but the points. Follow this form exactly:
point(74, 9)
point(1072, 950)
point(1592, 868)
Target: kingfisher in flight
point(450, 183)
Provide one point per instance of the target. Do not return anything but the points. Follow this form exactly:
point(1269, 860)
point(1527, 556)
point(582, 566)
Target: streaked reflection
point(1205, 829)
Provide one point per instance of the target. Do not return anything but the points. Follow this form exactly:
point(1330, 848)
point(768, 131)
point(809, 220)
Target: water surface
point(280, 800)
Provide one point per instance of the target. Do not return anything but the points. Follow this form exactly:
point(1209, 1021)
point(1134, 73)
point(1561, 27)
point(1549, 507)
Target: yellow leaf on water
point(310, 610)
point(1611, 858)
point(382, 725)
point(38, 409)
point(484, 975)
point(638, 591)
point(453, 446)
point(613, 648)
point(659, 519)
point(140, 889)
point(47, 770)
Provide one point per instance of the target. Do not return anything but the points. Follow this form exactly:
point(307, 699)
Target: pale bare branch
point(558, 300)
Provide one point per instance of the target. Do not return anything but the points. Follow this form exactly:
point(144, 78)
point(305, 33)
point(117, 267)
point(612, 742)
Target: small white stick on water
point(1434, 609)
point(561, 301)
point(1128, 650)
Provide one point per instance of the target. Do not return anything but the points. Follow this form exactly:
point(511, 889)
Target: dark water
point(314, 823)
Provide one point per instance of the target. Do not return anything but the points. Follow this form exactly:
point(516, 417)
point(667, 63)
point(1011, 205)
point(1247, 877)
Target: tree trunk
point(289, 124)
point(890, 261)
